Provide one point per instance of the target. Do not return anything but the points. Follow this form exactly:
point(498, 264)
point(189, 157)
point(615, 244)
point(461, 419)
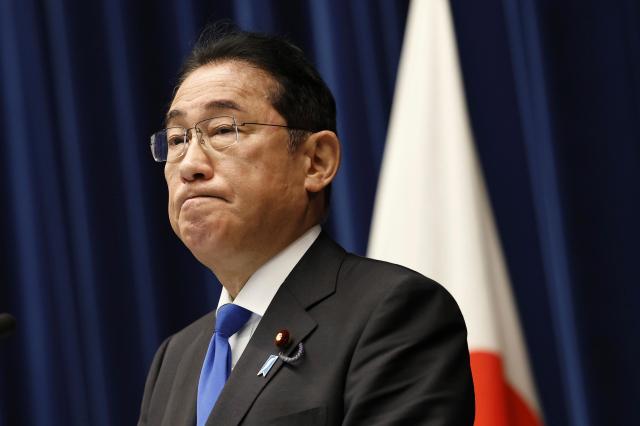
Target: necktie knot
point(230, 319)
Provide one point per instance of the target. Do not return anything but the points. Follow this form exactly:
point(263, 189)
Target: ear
point(322, 158)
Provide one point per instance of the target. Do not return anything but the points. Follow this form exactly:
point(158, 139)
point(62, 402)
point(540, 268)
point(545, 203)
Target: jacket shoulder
point(360, 270)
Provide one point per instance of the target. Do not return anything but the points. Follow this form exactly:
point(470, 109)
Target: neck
point(234, 280)
point(234, 272)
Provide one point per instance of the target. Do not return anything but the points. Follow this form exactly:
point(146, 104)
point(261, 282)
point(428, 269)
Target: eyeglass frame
point(199, 134)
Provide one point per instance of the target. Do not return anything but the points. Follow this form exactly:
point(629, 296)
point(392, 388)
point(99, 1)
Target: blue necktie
point(217, 363)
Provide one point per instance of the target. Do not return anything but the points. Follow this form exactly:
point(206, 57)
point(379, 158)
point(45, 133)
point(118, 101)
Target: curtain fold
point(533, 104)
point(553, 99)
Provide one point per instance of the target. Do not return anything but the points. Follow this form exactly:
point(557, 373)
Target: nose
point(196, 162)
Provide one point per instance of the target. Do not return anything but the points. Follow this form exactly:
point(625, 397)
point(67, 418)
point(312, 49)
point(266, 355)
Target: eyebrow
point(221, 104)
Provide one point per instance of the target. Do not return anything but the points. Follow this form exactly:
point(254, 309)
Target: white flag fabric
point(432, 214)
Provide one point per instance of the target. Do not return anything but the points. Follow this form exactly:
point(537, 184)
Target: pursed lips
point(200, 196)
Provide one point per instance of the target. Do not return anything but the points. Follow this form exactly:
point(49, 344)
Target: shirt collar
point(262, 286)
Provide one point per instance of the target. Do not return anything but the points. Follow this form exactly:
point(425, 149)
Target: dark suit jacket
point(383, 346)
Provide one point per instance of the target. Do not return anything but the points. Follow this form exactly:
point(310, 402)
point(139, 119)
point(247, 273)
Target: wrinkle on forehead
point(217, 104)
point(209, 87)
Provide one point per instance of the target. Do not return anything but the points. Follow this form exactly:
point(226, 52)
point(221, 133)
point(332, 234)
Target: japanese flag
point(432, 214)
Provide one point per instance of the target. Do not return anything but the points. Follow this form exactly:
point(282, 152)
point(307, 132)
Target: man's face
point(246, 199)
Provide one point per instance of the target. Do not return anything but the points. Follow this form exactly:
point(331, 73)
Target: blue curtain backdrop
point(96, 278)
point(554, 94)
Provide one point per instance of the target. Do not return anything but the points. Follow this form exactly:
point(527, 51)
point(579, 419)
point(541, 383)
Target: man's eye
point(175, 139)
point(223, 130)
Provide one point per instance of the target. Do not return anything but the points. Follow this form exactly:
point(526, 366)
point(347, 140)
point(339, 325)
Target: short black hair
point(301, 96)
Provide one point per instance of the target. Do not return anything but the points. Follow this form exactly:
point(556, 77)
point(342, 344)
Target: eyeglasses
point(171, 144)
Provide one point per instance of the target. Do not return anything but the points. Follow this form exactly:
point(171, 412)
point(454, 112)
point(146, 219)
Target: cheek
point(173, 220)
point(275, 194)
point(171, 205)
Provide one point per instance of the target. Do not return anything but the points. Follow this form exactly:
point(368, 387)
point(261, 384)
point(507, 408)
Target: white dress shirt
point(257, 293)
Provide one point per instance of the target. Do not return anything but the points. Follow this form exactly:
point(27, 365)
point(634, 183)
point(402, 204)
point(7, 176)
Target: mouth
point(201, 198)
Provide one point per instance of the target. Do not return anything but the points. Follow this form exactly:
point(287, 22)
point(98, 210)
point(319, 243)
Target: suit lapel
point(313, 279)
point(244, 384)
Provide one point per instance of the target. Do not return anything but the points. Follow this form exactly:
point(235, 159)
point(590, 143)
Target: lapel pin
point(264, 370)
point(282, 338)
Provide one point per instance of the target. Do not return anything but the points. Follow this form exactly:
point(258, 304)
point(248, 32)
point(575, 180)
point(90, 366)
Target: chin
point(203, 240)
point(196, 237)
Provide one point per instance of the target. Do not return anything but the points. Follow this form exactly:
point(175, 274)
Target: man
point(251, 150)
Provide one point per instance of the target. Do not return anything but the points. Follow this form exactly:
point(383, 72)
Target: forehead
point(231, 87)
